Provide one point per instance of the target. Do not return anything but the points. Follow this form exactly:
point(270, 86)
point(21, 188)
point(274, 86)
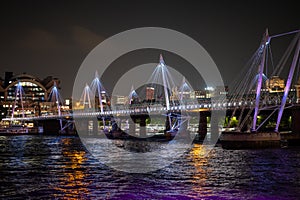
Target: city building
point(192, 95)
point(104, 100)
point(297, 86)
point(26, 94)
point(120, 100)
point(209, 92)
point(150, 93)
point(34, 89)
point(275, 84)
point(174, 94)
point(221, 90)
point(186, 94)
point(199, 94)
point(1, 91)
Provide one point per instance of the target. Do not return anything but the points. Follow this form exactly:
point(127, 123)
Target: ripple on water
point(60, 167)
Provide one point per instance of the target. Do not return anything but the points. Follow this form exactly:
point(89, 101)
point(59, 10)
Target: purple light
point(288, 83)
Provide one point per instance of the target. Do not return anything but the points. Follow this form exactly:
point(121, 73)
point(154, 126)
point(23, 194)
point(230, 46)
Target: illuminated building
point(199, 94)
point(1, 90)
point(175, 94)
point(35, 90)
point(150, 93)
point(221, 90)
point(297, 86)
point(120, 100)
point(33, 93)
point(209, 92)
point(275, 84)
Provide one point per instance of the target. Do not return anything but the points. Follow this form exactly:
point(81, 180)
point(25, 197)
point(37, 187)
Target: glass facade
point(26, 95)
point(31, 92)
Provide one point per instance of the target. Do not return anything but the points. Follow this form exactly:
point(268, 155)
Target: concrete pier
point(202, 128)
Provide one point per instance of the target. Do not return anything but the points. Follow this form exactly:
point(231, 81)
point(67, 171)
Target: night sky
point(53, 37)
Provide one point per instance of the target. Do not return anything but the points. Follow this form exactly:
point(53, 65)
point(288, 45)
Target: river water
point(59, 167)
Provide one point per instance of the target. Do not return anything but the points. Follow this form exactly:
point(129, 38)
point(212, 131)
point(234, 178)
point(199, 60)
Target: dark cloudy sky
point(53, 37)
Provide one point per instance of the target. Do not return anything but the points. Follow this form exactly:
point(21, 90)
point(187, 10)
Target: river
point(59, 167)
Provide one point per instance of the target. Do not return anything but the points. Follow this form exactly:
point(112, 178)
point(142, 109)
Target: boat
point(246, 140)
point(254, 137)
point(17, 129)
point(20, 129)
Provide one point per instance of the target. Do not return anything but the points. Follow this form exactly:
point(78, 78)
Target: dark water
point(50, 167)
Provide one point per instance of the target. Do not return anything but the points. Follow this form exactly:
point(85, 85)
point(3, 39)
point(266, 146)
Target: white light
point(268, 41)
point(209, 88)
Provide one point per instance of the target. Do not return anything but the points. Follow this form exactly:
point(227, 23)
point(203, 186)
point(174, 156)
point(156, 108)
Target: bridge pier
point(183, 130)
point(95, 127)
point(85, 126)
point(50, 126)
point(216, 120)
point(173, 115)
point(132, 127)
point(296, 120)
point(202, 128)
point(143, 127)
point(167, 124)
point(293, 138)
point(214, 128)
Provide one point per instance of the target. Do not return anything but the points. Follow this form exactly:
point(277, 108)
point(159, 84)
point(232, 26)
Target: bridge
point(252, 93)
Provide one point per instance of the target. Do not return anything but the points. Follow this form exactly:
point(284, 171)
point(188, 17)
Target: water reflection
point(47, 167)
point(199, 162)
point(72, 183)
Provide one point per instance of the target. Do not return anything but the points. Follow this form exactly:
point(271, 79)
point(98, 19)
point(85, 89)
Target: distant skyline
point(45, 38)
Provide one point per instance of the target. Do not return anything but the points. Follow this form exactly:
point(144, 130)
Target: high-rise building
point(150, 93)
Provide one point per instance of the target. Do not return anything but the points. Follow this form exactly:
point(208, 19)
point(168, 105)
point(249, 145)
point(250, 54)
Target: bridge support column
point(132, 127)
point(215, 125)
point(83, 126)
point(167, 125)
point(51, 126)
point(202, 128)
point(95, 126)
point(184, 129)
point(296, 120)
point(90, 127)
point(142, 127)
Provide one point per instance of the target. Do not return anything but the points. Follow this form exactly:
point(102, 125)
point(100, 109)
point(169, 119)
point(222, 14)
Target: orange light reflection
point(73, 184)
point(199, 160)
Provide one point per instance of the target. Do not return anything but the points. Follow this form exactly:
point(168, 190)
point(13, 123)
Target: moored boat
point(20, 130)
point(246, 140)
